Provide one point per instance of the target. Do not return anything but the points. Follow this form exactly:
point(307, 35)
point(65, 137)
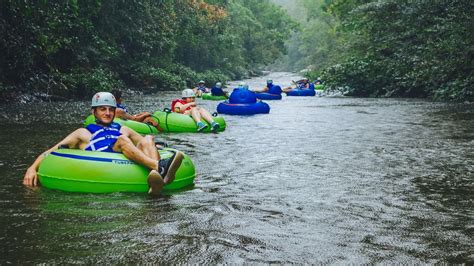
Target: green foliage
point(212, 77)
point(388, 48)
point(84, 83)
point(79, 47)
point(407, 48)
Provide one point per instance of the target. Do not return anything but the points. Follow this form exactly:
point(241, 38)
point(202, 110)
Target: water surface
point(318, 180)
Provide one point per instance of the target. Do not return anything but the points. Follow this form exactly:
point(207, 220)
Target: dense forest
point(386, 48)
point(377, 48)
point(73, 48)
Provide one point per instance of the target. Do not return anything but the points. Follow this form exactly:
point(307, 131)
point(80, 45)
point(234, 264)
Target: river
point(318, 180)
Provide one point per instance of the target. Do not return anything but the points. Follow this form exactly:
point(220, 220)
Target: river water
point(318, 180)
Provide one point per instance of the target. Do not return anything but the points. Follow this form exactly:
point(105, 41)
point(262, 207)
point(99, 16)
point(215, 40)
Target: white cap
point(103, 99)
point(188, 93)
point(218, 85)
point(201, 81)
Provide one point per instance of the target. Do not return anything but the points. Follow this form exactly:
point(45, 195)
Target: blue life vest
point(269, 86)
point(217, 91)
point(103, 138)
point(302, 86)
point(202, 88)
point(122, 107)
point(275, 89)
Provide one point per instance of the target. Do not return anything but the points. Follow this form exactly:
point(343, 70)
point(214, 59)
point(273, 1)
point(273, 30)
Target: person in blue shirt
point(200, 88)
point(302, 84)
point(242, 85)
point(107, 136)
point(122, 112)
point(218, 91)
point(266, 88)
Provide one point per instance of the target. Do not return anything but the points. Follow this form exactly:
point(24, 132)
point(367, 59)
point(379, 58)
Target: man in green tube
point(107, 136)
point(122, 112)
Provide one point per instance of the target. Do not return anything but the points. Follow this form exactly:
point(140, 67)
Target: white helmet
point(201, 81)
point(103, 99)
point(241, 84)
point(188, 93)
point(218, 85)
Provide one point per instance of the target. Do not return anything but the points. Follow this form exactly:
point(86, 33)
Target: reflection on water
point(328, 179)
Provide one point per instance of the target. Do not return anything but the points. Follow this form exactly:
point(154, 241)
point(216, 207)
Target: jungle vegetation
point(374, 48)
point(386, 48)
point(74, 48)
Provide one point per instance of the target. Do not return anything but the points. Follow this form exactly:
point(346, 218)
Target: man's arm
point(141, 116)
point(73, 140)
point(181, 108)
point(120, 113)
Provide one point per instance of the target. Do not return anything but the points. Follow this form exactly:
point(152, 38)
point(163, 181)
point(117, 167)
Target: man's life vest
point(173, 104)
point(103, 138)
point(122, 107)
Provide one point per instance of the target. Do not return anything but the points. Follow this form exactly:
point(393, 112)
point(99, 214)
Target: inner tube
point(243, 108)
point(319, 87)
point(242, 96)
point(174, 122)
point(275, 89)
point(76, 170)
point(300, 92)
point(209, 96)
point(139, 127)
point(268, 96)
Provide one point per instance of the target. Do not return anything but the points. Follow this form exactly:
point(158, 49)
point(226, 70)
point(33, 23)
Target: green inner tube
point(209, 96)
point(319, 87)
point(139, 127)
point(174, 122)
point(76, 170)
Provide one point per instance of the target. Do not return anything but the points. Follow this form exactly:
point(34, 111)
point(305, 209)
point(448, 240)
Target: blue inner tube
point(268, 96)
point(299, 92)
point(243, 108)
point(242, 96)
point(275, 89)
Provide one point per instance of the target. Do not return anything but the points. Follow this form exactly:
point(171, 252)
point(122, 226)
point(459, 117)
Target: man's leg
point(195, 115)
point(125, 145)
point(206, 115)
point(147, 146)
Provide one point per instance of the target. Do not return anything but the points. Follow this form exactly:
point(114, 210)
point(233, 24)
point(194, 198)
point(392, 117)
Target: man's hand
point(30, 178)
